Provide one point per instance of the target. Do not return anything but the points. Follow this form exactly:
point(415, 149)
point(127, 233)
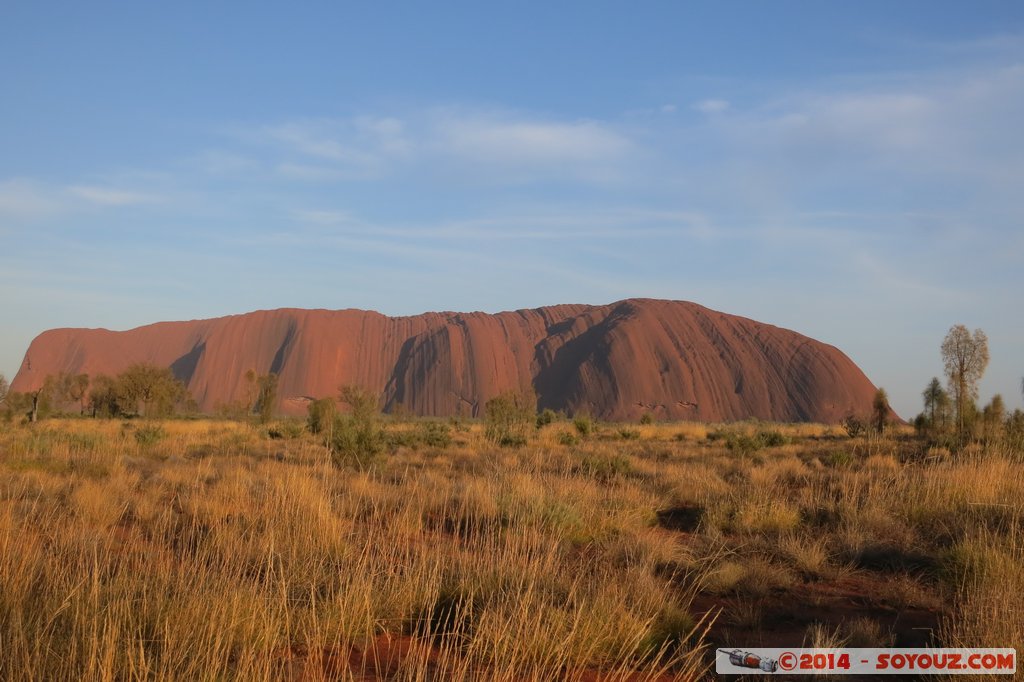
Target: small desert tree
point(70, 388)
point(321, 416)
point(6, 409)
point(936, 404)
point(78, 390)
point(148, 390)
point(965, 356)
point(251, 390)
point(509, 416)
point(102, 401)
point(40, 401)
point(880, 410)
point(1014, 430)
point(358, 436)
point(266, 397)
point(992, 419)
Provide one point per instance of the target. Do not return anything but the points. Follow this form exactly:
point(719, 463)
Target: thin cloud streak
point(488, 144)
point(111, 196)
point(712, 106)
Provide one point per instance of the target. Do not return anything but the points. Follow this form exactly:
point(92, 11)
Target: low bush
point(772, 439)
point(434, 434)
point(567, 438)
point(745, 444)
point(854, 426)
point(584, 424)
point(671, 629)
point(424, 434)
point(355, 441)
point(149, 435)
point(604, 466)
point(547, 416)
point(286, 430)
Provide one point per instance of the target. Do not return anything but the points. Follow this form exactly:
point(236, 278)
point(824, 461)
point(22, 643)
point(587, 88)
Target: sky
point(852, 171)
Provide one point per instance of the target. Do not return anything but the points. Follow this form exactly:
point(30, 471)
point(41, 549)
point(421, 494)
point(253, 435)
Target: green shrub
point(434, 434)
point(742, 444)
point(289, 430)
point(629, 434)
point(1015, 432)
point(357, 438)
point(746, 445)
point(840, 459)
point(431, 434)
point(402, 439)
point(546, 417)
point(508, 418)
point(512, 440)
point(355, 441)
point(853, 425)
point(584, 424)
point(668, 632)
point(604, 466)
point(772, 439)
point(647, 418)
point(459, 424)
point(566, 438)
point(322, 414)
point(149, 435)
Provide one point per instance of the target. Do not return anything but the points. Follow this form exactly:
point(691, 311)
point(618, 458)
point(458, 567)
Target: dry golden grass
point(211, 550)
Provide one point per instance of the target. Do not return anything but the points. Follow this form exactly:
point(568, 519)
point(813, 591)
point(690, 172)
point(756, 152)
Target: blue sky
point(853, 171)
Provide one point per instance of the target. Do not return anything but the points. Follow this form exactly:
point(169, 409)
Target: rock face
point(675, 359)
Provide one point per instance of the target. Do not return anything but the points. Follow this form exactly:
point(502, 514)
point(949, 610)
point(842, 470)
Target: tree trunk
point(960, 407)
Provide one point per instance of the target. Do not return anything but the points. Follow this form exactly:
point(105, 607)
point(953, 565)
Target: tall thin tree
point(934, 395)
point(880, 410)
point(965, 356)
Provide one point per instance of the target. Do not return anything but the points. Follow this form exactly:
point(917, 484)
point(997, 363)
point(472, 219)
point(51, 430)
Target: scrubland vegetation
point(354, 546)
point(203, 549)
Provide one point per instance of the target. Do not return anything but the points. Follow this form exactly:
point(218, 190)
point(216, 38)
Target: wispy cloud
point(312, 138)
point(499, 139)
point(221, 162)
point(306, 172)
point(323, 217)
point(958, 122)
point(111, 196)
point(485, 146)
point(550, 224)
point(317, 149)
point(23, 198)
point(31, 199)
point(711, 106)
